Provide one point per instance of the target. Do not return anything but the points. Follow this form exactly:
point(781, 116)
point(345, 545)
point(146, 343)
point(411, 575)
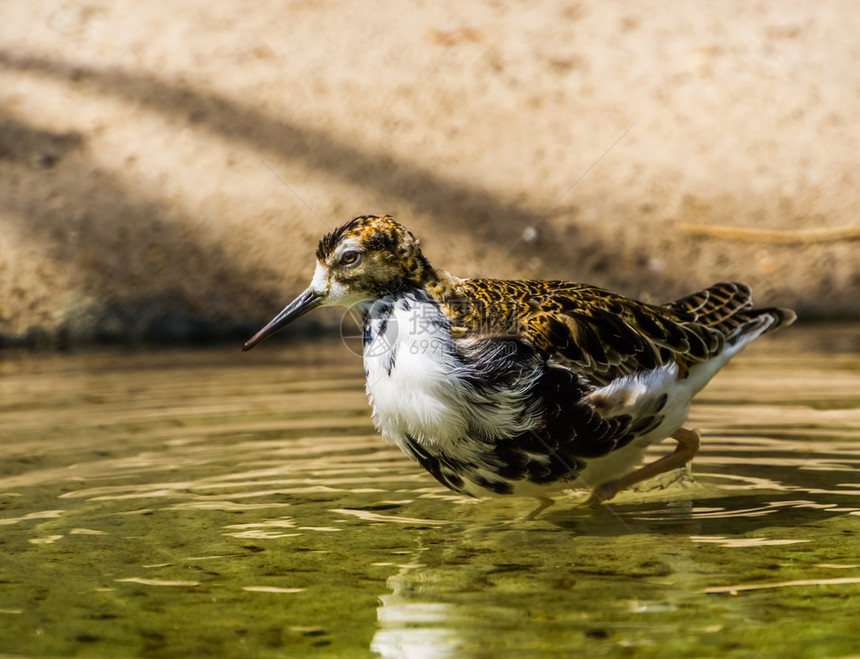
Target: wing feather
point(596, 333)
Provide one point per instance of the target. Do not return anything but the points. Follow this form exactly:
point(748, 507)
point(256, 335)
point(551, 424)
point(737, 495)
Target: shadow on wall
point(117, 264)
point(113, 269)
point(99, 232)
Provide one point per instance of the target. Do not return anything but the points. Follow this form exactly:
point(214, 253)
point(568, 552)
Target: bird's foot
point(544, 503)
point(688, 446)
point(603, 493)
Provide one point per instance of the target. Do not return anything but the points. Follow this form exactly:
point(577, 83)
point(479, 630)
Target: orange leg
point(688, 446)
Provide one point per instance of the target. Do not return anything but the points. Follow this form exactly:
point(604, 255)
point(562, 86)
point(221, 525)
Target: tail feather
point(727, 308)
point(715, 304)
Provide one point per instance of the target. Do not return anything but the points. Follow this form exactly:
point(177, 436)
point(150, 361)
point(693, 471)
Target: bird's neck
point(437, 285)
point(442, 286)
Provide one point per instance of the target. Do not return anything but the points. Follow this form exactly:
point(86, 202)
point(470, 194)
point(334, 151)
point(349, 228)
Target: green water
point(220, 504)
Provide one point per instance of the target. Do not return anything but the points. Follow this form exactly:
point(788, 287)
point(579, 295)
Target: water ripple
point(266, 527)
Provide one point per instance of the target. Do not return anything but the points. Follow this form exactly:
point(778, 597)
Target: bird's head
point(366, 259)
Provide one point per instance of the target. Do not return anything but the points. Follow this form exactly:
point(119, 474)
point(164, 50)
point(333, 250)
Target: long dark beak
point(308, 300)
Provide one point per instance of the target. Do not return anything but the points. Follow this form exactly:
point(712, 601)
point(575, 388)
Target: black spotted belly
point(518, 459)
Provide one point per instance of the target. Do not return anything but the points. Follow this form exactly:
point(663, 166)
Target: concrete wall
point(166, 169)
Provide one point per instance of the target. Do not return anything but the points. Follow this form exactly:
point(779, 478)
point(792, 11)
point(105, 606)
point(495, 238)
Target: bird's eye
point(350, 257)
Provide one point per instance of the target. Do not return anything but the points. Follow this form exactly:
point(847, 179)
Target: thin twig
point(785, 237)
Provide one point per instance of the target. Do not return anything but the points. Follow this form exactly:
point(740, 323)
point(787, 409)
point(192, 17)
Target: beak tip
point(308, 300)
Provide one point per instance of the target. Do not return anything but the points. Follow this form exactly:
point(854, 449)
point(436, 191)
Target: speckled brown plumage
point(600, 334)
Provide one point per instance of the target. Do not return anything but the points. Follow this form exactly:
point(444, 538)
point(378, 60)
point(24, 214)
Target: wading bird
point(524, 388)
